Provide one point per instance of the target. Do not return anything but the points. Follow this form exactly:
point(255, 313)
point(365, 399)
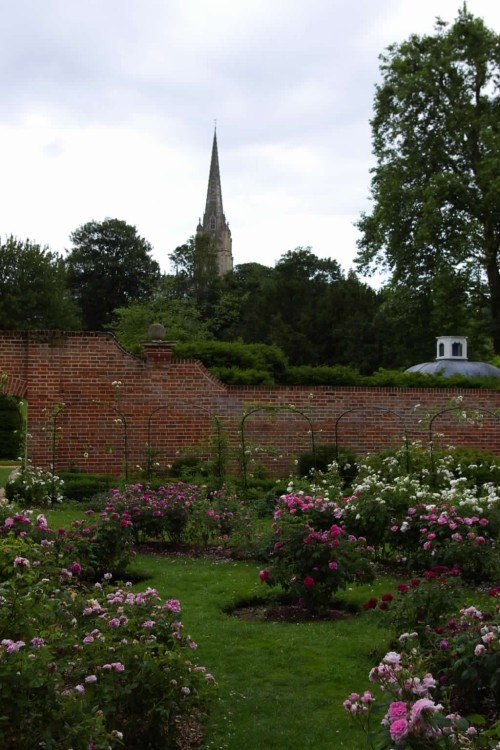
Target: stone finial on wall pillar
point(158, 351)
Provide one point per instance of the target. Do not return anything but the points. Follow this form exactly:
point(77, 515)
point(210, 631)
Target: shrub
point(413, 718)
point(84, 486)
point(422, 604)
point(33, 486)
point(188, 468)
point(101, 543)
point(11, 424)
point(235, 356)
point(313, 557)
point(182, 512)
point(467, 654)
point(160, 514)
point(441, 533)
point(322, 375)
point(238, 376)
point(326, 455)
point(97, 669)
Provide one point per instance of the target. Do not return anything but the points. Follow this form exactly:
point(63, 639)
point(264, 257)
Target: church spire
point(214, 221)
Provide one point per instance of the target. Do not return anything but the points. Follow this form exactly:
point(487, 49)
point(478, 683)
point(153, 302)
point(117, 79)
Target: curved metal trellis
point(461, 408)
point(271, 410)
point(123, 421)
point(149, 472)
point(380, 409)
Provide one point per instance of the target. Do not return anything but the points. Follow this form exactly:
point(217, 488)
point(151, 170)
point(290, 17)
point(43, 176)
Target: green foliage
point(311, 556)
point(238, 376)
point(254, 364)
point(188, 467)
point(413, 713)
point(471, 661)
point(322, 375)
point(422, 604)
point(453, 522)
point(221, 354)
point(101, 544)
point(11, 424)
point(109, 266)
point(195, 270)
point(180, 316)
point(83, 486)
point(88, 669)
point(434, 220)
point(477, 466)
point(33, 288)
point(33, 486)
point(182, 513)
point(325, 455)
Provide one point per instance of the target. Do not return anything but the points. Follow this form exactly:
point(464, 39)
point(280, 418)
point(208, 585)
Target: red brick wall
point(170, 405)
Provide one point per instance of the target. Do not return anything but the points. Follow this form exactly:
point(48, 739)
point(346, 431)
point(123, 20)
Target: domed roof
point(452, 359)
point(463, 367)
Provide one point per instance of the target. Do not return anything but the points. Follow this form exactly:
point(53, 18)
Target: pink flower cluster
point(301, 503)
point(437, 523)
point(412, 712)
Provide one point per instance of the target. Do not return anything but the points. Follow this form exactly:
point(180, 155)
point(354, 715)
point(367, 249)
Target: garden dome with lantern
point(451, 359)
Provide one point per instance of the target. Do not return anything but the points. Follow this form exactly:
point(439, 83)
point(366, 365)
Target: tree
point(436, 185)
point(179, 316)
point(239, 313)
point(295, 301)
point(109, 266)
point(33, 288)
point(195, 268)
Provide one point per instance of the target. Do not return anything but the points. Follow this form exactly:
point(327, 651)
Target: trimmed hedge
point(236, 363)
point(81, 486)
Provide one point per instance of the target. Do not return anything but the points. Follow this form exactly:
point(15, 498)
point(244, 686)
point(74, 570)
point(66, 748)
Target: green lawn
point(6, 468)
point(281, 685)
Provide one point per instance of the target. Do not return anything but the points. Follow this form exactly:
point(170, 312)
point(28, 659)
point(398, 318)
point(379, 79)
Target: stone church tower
point(214, 222)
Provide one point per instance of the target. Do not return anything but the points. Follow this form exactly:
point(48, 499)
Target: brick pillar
point(158, 353)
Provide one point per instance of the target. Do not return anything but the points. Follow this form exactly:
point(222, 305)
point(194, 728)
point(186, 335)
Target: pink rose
point(398, 729)
point(309, 582)
point(264, 574)
point(423, 704)
point(397, 710)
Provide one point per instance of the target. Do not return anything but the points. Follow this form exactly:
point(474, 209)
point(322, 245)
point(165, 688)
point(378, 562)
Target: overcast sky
point(107, 109)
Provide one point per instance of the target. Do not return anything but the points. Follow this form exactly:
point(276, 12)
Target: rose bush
point(102, 543)
point(33, 486)
point(415, 716)
point(92, 668)
point(312, 556)
point(440, 533)
point(423, 603)
point(181, 512)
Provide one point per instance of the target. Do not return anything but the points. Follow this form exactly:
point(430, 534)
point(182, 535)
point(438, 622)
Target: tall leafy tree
point(241, 311)
point(301, 281)
point(33, 288)
point(179, 316)
point(109, 266)
point(195, 268)
point(436, 183)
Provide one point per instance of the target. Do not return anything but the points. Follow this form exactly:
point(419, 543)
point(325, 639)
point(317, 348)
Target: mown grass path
point(281, 685)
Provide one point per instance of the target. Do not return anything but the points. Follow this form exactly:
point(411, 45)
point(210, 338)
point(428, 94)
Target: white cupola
point(451, 347)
